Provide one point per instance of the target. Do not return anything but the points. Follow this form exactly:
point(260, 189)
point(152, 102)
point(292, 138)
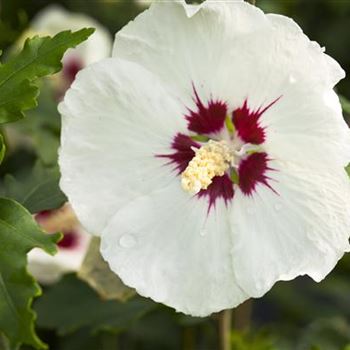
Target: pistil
point(212, 159)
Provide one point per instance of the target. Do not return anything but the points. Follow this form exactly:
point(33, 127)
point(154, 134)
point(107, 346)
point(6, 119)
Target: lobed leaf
point(19, 233)
point(40, 56)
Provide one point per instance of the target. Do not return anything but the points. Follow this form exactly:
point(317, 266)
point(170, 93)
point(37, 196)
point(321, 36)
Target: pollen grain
point(212, 159)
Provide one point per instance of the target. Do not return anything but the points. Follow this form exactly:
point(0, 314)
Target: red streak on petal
point(252, 171)
point(247, 123)
point(207, 119)
point(70, 240)
point(221, 187)
point(182, 145)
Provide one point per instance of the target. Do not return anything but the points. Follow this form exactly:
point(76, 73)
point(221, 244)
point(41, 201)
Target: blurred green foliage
point(298, 315)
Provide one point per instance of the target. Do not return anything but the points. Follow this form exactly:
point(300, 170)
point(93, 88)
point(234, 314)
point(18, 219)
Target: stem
point(242, 316)
point(189, 338)
point(225, 325)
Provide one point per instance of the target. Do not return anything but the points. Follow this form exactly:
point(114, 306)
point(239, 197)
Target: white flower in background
point(143, 3)
point(71, 249)
point(55, 19)
point(209, 152)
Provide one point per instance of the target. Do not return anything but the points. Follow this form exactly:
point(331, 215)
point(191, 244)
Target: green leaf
point(257, 340)
point(18, 235)
point(37, 190)
point(345, 103)
point(2, 148)
point(83, 339)
point(96, 272)
point(42, 127)
point(46, 146)
point(347, 169)
point(39, 57)
point(71, 304)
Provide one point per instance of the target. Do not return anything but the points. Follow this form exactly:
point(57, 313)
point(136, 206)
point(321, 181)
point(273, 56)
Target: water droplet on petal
point(202, 232)
point(278, 206)
point(127, 241)
point(292, 79)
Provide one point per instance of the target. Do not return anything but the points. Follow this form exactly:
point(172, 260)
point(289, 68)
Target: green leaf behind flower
point(71, 305)
point(40, 56)
point(345, 103)
point(2, 148)
point(37, 189)
point(347, 169)
point(18, 235)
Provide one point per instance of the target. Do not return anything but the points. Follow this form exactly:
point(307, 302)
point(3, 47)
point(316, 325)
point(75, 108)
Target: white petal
point(116, 118)
point(235, 52)
point(301, 230)
point(228, 50)
point(54, 19)
point(197, 51)
point(49, 269)
point(286, 27)
point(306, 125)
point(165, 246)
point(308, 128)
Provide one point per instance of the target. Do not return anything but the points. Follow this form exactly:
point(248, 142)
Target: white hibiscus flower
point(48, 269)
point(209, 153)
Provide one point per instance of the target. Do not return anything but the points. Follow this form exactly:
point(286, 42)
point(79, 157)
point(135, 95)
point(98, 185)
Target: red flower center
point(213, 120)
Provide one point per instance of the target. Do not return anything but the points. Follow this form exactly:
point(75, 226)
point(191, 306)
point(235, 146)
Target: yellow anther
point(211, 160)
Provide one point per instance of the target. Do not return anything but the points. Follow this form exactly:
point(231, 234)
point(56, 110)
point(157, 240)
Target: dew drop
point(202, 232)
point(278, 207)
point(292, 79)
point(127, 241)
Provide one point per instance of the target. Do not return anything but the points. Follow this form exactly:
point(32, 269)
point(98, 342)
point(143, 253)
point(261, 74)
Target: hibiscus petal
point(243, 53)
point(220, 188)
point(301, 230)
point(208, 118)
point(252, 172)
point(246, 56)
point(307, 127)
point(49, 269)
point(112, 131)
point(202, 58)
point(182, 260)
point(182, 152)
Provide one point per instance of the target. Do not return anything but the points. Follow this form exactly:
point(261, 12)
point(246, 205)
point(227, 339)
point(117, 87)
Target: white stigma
point(212, 159)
